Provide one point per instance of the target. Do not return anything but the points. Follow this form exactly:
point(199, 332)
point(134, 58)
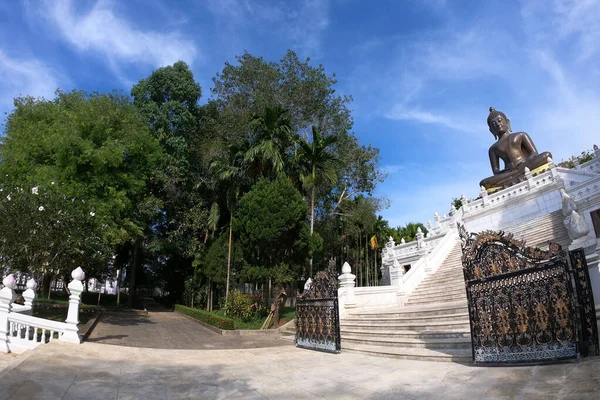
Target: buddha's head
point(498, 122)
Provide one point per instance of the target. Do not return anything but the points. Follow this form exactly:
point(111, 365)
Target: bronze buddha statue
point(515, 149)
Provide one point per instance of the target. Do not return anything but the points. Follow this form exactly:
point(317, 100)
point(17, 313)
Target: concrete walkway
point(99, 371)
point(162, 329)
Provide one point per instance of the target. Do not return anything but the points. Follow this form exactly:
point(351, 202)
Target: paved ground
point(176, 358)
point(99, 371)
point(162, 329)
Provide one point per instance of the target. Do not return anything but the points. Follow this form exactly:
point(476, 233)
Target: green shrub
point(245, 306)
point(206, 317)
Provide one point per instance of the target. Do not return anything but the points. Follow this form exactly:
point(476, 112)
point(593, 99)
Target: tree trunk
point(228, 258)
point(367, 259)
point(359, 258)
point(312, 227)
point(208, 296)
point(131, 301)
point(46, 282)
point(375, 261)
point(65, 278)
point(119, 277)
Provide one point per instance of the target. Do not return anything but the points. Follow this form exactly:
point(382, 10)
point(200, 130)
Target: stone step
point(460, 325)
point(435, 298)
point(439, 295)
point(417, 311)
point(436, 282)
point(386, 318)
point(437, 343)
point(428, 302)
point(426, 291)
point(407, 353)
point(452, 281)
point(454, 271)
point(395, 333)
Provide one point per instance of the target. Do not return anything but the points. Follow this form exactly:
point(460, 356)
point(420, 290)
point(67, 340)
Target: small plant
point(245, 306)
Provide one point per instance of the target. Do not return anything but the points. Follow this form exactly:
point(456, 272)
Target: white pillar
point(29, 295)
point(76, 287)
point(347, 281)
point(7, 296)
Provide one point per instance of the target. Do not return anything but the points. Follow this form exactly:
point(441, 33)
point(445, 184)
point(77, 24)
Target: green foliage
point(220, 322)
point(306, 91)
point(585, 156)
point(408, 232)
point(246, 306)
point(42, 230)
point(268, 223)
point(457, 202)
point(214, 263)
point(95, 146)
point(271, 140)
point(168, 99)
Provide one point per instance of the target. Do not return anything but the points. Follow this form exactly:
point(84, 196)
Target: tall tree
point(273, 235)
point(317, 166)
point(231, 171)
point(168, 98)
point(95, 148)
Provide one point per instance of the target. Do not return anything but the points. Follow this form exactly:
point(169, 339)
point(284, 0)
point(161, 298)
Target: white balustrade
point(19, 331)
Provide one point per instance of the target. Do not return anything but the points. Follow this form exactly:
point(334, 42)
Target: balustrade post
point(76, 287)
point(29, 295)
point(7, 296)
point(347, 283)
point(465, 203)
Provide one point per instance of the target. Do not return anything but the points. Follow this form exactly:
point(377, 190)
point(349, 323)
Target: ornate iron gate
point(522, 306)
point(585, 300)
point(317, 314)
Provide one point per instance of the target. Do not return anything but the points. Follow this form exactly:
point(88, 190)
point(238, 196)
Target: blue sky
point(423, 73)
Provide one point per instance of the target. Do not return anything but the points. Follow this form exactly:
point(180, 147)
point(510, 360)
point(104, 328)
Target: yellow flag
point(373, 243)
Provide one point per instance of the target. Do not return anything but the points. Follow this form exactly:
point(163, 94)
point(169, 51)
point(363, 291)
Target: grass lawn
point(88, 300)
point(60, 313)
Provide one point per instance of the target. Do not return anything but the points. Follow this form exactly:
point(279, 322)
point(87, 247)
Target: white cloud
point(398, 112)
point(300, 23)
point(25, 76)
point(101, 30)
point(562, 20)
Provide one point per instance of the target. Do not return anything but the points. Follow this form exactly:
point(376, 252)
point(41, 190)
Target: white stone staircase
point(432, 325)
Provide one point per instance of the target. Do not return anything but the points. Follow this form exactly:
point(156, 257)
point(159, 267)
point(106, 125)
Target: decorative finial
point(9, 281)
point(78, 274)
point(346, 268)
point(31, 284)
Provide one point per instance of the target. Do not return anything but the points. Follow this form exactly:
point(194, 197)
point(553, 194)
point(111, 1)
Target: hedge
point(206, 317)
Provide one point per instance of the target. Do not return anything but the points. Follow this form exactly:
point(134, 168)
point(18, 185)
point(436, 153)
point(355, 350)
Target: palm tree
point(272, 137)
point(317, 167)
point(232, 173)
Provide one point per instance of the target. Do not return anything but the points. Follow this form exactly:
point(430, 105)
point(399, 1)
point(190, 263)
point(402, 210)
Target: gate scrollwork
point(522, 307)
point(317, 314)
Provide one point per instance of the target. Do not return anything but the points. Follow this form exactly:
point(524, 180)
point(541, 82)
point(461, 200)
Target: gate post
point(346, 290)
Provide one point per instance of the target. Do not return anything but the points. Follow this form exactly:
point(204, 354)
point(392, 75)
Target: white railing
point(402, 284)
point(20, 331)
point(27, 332)
point(426, 265)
